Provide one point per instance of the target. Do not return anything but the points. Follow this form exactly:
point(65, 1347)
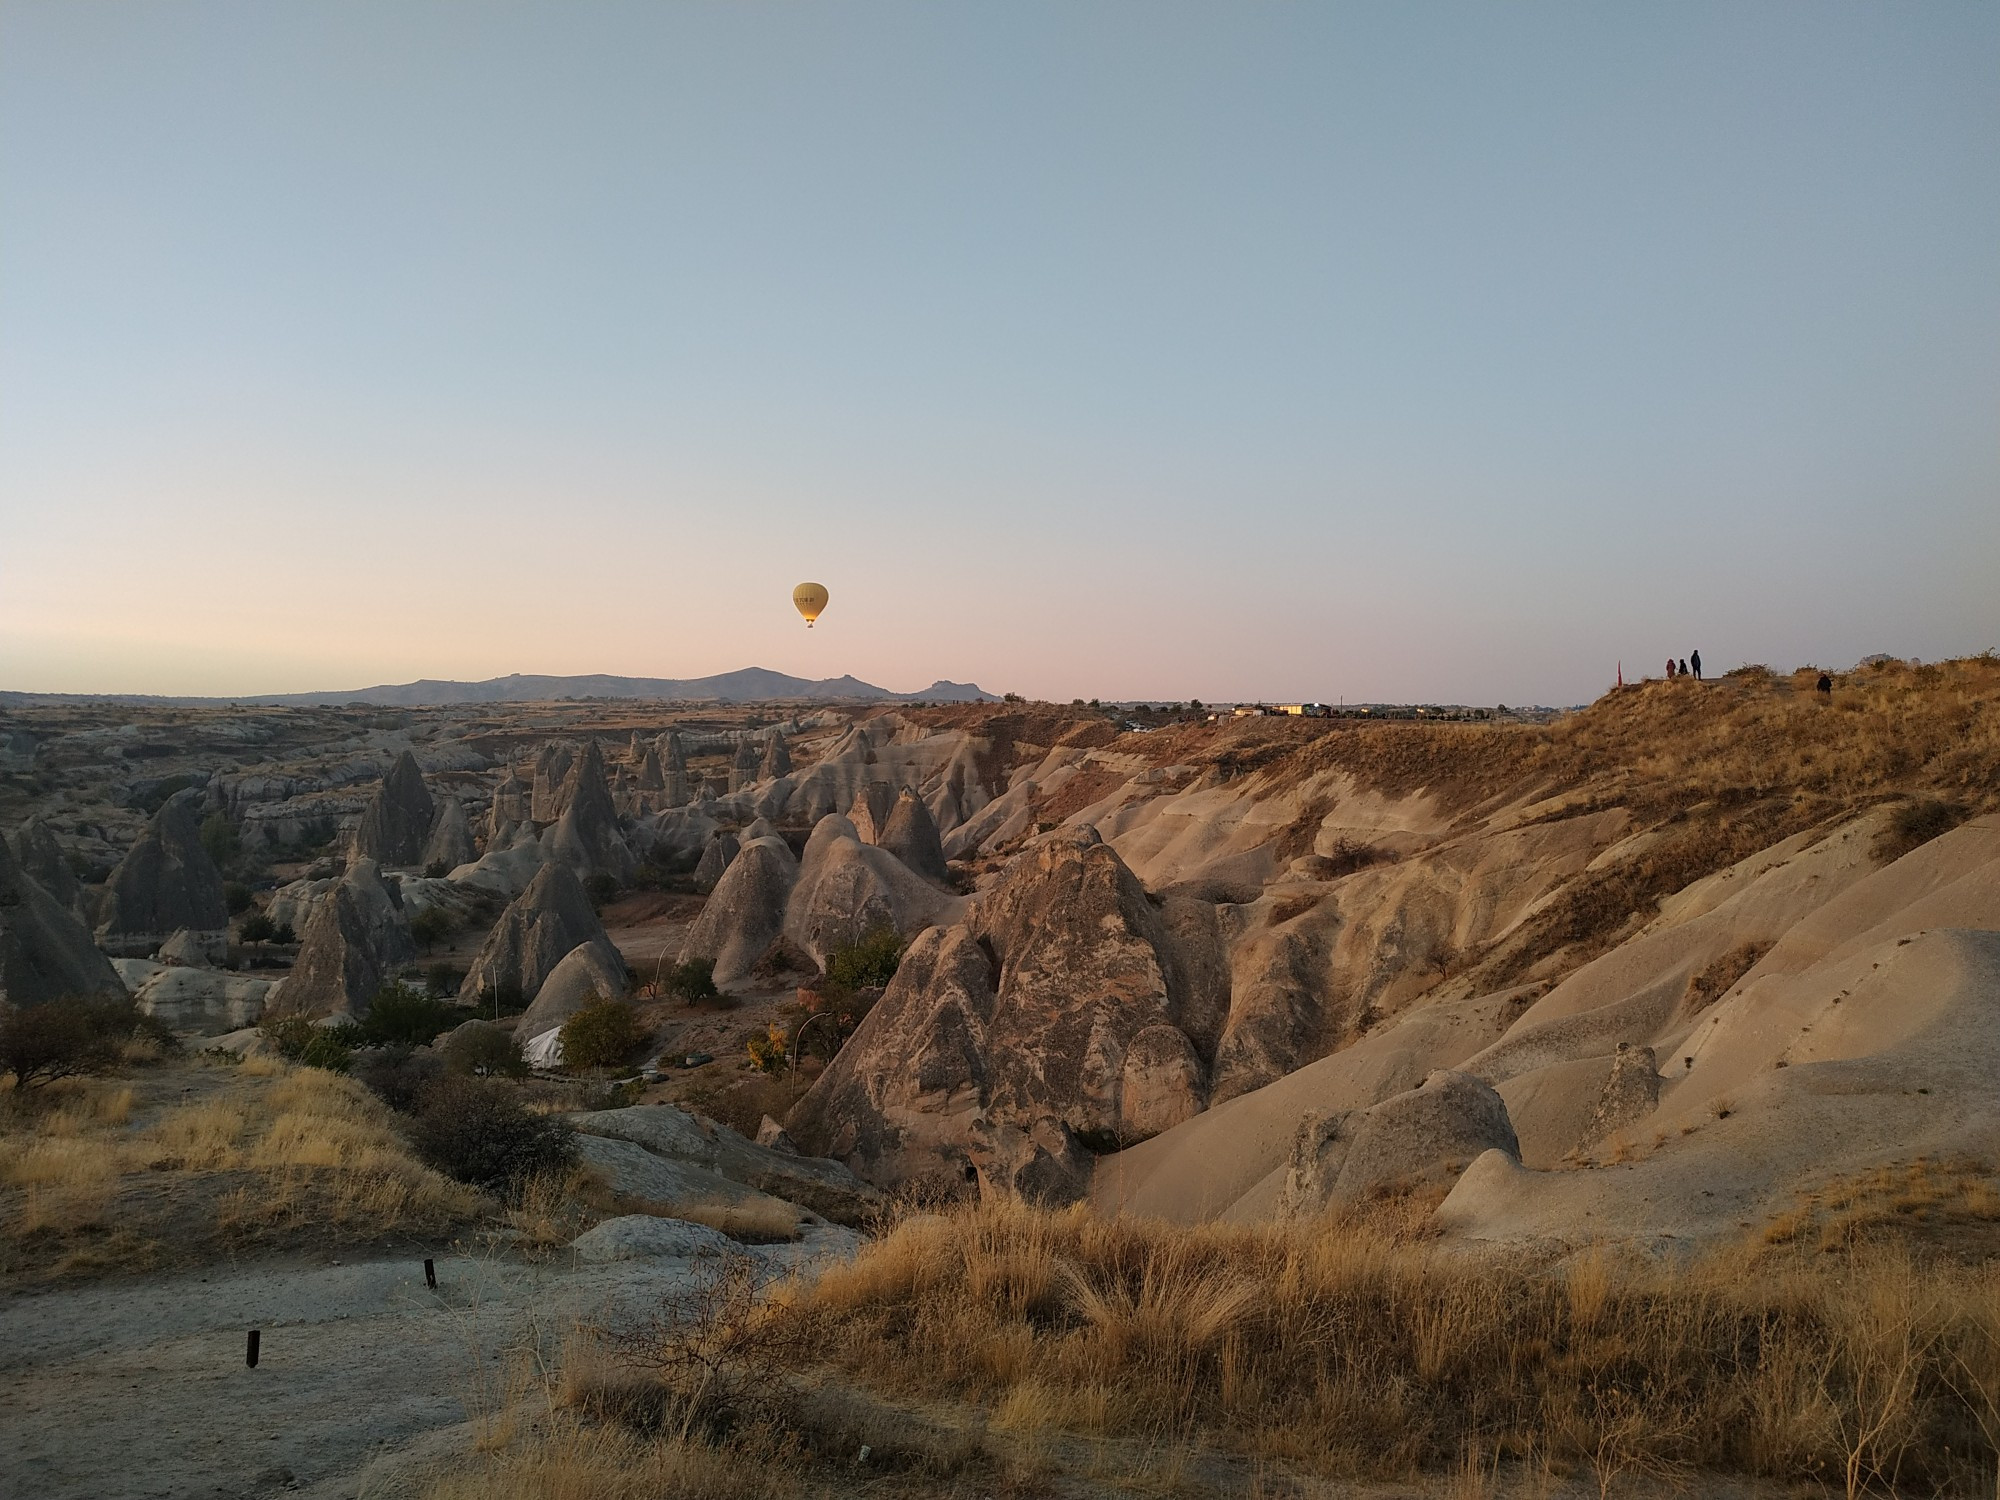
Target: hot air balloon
point(810, 599)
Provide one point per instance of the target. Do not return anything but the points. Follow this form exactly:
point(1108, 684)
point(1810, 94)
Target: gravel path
point(131, 1389)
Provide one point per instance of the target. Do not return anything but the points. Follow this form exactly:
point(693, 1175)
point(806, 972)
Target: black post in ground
point(430, 1273)
point(250, 1350)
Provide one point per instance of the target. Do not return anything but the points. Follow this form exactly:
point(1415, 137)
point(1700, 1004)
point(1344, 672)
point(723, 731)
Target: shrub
point(256, 928)
point(220, 838)
point(769, 1049)
point(1916, 823)
point(399, 1079)
point(437, 869)
point(299, 1040)
point(603, 1034)
point(443, 979)
point(64, 1038)
point(283, 933)
point(236, 897)
point(431, 927)
point(403, 1017)
point(479, 1132)
point(601, 889)
point(480, 1050)
point(868, 964)
point(693, 982)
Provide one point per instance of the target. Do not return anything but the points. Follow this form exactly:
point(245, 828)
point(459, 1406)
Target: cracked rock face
point(911, 834)
point(355, 940)
point(534, 934)
point(1424, 1136)
point(1043, 1024)
point(45, 952)
point(165, 882)
point(398, 818)
point(745, 914)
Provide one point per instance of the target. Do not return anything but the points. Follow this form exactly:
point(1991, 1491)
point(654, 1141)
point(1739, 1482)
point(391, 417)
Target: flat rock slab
point(632, 1171)
point(641, 1236)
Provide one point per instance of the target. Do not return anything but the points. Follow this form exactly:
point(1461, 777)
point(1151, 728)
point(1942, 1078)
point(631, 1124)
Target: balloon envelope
point(810, 599)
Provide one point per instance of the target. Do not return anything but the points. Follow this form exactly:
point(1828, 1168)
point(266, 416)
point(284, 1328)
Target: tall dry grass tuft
point(1357, 1353)
point(570, 1460)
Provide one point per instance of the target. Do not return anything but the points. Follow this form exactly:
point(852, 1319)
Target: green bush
point(603, 1034)
point(220, 838)
point(403, 1017)
point(868, 964)
point(64, 1038)
point(283, 933)
point(300, 1041)
point(236, 897)
point(602, 889)
point(399, 1079)
point(478, 1131)
point(693, 982)
point(482, 1050)
point(431, 927)
point(256, 928)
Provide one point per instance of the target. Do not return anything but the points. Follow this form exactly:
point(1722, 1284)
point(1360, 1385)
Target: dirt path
point(132, 1389)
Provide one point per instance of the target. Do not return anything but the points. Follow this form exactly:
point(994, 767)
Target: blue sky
point(1390, 351)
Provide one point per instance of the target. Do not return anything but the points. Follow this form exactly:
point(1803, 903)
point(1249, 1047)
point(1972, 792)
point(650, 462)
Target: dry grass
point(90, 1179)
point(1350, 1352)
point(566, 1459)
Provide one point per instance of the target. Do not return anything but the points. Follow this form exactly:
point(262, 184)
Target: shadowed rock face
point(165, 882)
point(652, 776)
point(450, 841)
point(716, 856)
point(41, 859)
point(534, 934)
point(589, 972)
point(870, 811)
point(586, 837)
point(398, 819)
point(777, 759)
point(912, 836)
point(45, 952)
point(551, 790)
point(1428, 1134)
point(1046, 1018)
point(355, 940)
point(746, 913)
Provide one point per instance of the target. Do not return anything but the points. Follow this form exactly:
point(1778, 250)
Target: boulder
point(870, 811)
point(674, 1135)
point(643, 1237)
point(201, 950)
point(450, 841)
point(912, 836)
point(355, 940)
point(633, 1172)
point(165, 882)
point(589, 972)
point(716, 856)
point(1630, 1094)
point(398, 817)
point(507, 867)
point(847, 889)
point(1038, 1023)
point(45, 952)
point(1423, 1137)
point(42, 860)
point(586, 835)
point(745, 914)
point(541, 927)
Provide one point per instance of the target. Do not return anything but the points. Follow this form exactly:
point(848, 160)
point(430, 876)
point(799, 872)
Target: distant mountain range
point(750, 685)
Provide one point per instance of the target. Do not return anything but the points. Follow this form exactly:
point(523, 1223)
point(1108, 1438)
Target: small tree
point(431, 926)
point(404, 1017)
point(693, 982)
point(64, 1038)
point(602, 889)
point(256, 928)
point(299, 1040)
point(868, 964)
point(604, 1034)
point(236, 897)
point(479, 1132)
point(481, 1050)
point(220, 838)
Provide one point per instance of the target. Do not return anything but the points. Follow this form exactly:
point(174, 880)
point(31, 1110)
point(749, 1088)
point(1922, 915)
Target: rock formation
point(847, 889)
point(777, 758)
point(743, 770)
point(912, 837)
point(165, 882)
point(549, 799)
point(1422, 1137)
point(355, 941)
point(45, 952)
point(586, 836)
point(674, 769)
point(398, 819)
point(1044, 1021)
point(42, 860)
point(535, 933)
point(870, 811)
point(746, 912)
point(716, 856)
point(510, 808)
point(589, 972)
point(652, 776)
point(450, 840)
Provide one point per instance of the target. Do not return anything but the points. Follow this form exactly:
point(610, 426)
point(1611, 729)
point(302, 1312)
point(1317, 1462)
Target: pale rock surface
point(450, 840)
point(644, 1237)
point(505, 869)
point(589, 972)
point(398, 817)
point(869, 812)
point(202, 1002)
point(825, 1187)
point(586, 836)
point(198, 949)
point(540, 928)
point(912, 836)
point(633, 1172)
point(716, 857)
point(165, 882)
point(745, 914)
point(1426, 1135)
point(847, 889)
point(512, 804)
point(549, 797)
point(777, 759)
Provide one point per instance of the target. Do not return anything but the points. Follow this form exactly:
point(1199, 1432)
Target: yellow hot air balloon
point(810, 599)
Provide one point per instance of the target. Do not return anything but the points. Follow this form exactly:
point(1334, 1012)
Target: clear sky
point(1387, 351)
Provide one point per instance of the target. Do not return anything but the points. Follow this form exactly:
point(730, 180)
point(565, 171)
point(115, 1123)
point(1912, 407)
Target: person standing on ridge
point(1670, 669)
point(1694, 660)
point(1684, 668)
